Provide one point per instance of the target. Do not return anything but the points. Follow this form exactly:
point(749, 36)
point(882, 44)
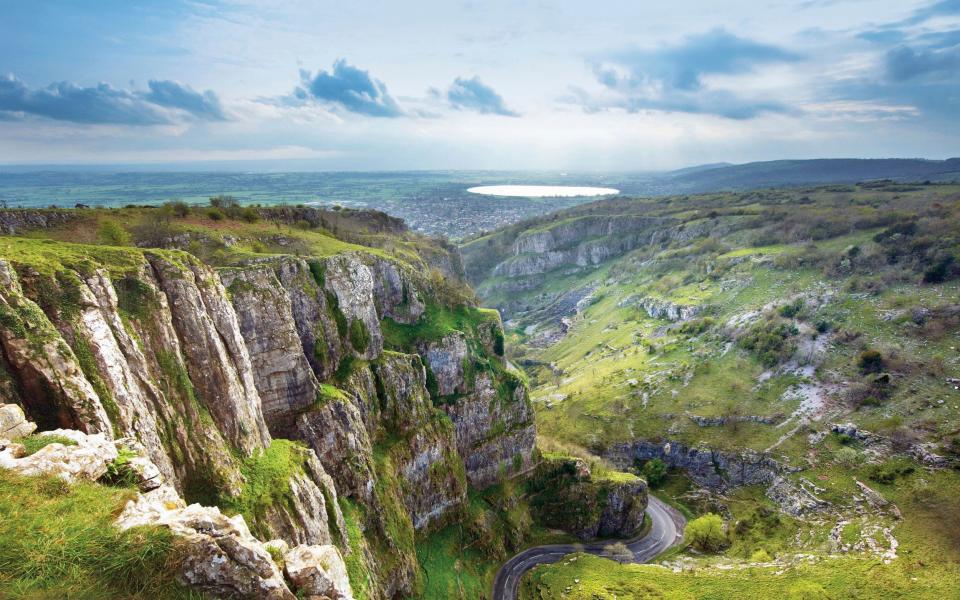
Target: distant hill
point(781, 173)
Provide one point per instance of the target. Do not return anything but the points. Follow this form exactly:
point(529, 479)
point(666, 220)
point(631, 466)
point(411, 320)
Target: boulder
point(13, 423)
point(318, 573)
point(219, 555)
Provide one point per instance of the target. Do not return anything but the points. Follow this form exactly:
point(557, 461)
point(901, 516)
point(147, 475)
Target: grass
point(594, 578)
point(438, 322)
point(267, 482)
point(33, 443)
point(58, 541)
point(357, 569)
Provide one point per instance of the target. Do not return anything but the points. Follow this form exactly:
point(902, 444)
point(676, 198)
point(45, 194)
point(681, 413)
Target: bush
point(888, 471)
point(654, 471)
point(215, 214)
point(222, 201)
point(791, 310)
point(870, 361)
point(706, 533)
point(359, 336)
point(770, 341)
point(250, 215)
point(177, 208)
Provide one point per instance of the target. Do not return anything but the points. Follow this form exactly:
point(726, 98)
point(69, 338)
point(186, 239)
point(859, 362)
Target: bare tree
point(619, 552)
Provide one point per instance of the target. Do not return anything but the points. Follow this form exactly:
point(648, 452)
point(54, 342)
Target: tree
point(654, 471)
point(619, 552)
point(706, 533)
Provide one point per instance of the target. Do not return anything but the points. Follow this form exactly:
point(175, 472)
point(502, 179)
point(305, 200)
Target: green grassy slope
point(794, 290)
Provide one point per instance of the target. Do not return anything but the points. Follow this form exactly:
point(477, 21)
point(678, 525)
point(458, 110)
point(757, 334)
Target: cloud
point(937, 9)
point(171, 94)
point(672, 78)
point(473, 94)
point(683, 66)
point(906, 63)
point(66, 101)
point(349, 88)
point(165, 103)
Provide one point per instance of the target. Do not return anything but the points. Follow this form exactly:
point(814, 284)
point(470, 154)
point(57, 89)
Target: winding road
point(666, 529)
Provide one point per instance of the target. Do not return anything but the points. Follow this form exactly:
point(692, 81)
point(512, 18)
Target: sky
point(629, 85)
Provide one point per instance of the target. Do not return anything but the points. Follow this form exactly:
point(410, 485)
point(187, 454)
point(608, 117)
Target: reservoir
point(541, 191)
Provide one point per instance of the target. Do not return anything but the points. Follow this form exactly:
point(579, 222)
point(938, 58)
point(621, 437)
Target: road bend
point(666, 529)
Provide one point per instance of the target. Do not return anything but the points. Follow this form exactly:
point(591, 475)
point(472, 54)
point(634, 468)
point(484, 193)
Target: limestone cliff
point(566, 495)
point(393, 387)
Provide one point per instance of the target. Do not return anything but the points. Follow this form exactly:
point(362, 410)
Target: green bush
point(888, 471)
point(177, 208)
point(654, 471)
point(706, 533)
point(870, 361)
point(250, 215)
point(359, 336)
point(215, 214)
point(791, 310)
point(770, 340)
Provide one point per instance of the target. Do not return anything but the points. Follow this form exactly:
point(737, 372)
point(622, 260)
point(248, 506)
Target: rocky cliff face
point(215, 553)
point(566, 495)
point(205, 368)
point(709, 468)
point(585, 241)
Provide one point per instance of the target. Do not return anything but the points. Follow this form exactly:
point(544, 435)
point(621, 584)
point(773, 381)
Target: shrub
point(215, 214)
point(706, 533)
point(760, 556)
point(177, 208)
point(791, 310)
point(938, 272)
point(222, 201)
point(870, 361)
point(888, 471)
point(770, 341)
point(654, 471)
point(250, 215)
point(847, 458)
point(359, 336)
point(498, 340)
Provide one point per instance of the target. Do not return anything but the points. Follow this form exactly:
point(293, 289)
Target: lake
point(542, 191)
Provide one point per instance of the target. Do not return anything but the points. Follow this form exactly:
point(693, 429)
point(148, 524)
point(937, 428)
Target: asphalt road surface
point(666, 529)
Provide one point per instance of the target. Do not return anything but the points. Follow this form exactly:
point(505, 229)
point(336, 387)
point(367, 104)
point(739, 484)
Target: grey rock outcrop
point(709, 468)
point(51, 384)
point(494, 434)
point(88, 457)
point(318, 572)
point(219, 555)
